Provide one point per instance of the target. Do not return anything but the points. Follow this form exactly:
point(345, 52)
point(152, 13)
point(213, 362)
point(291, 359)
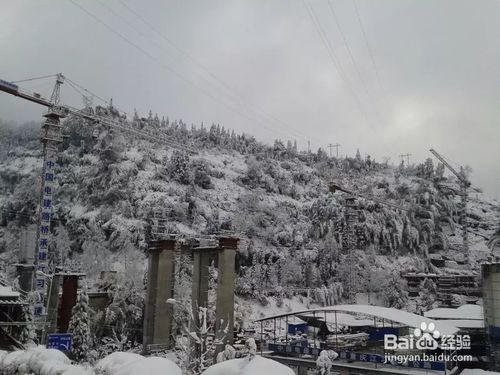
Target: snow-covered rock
point(242, 366)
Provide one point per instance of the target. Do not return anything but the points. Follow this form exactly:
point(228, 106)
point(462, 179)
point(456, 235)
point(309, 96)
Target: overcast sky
point(269, 68)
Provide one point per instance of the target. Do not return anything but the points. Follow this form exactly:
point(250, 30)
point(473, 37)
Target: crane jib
point(8, 87)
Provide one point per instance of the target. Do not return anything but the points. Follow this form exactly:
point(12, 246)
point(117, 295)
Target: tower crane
point(350, 219)
point(51, 138)
point(335, 187)
point(464, 185)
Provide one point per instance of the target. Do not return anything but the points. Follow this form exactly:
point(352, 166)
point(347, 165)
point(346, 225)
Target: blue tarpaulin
point(296, 328)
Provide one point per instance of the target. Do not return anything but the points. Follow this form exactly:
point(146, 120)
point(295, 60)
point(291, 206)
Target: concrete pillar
point(53, 303)
point(158, 313)
point(68, 300)
point(24, 272)
point(490, 273)
point(224, 310)
point(202, 258)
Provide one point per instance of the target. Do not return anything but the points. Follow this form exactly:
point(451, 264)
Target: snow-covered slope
point(275, 198)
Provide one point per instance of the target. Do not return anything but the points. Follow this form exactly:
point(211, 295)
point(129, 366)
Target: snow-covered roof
point(6, 291)
point(466, 323)
point(296, 321)
point(476, 371)
point(470, 312)
point(398, 316)
point(344, 319)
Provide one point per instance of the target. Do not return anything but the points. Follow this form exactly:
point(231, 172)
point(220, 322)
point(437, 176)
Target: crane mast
point(51, 138)
point(464, 184)
point(351, 215)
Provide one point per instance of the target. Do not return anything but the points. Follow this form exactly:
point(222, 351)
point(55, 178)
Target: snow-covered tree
point(395, 291)
point(178, 167)
point(28, 332)
point(324, 362)
point(250, 349)
point(79, 326)
point(427, 297)
point(228, 353)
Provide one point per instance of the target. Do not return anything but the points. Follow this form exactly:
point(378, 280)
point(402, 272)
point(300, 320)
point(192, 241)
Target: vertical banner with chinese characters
point(42, 257)
point(51, 138)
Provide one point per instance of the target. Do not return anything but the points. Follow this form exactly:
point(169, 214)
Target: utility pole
point(407, 156)
point(336, 146)
point(308, 147)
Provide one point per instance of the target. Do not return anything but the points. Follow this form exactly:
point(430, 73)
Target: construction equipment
point(464, 185)
point(51, 138)
point(351, 215)
point(334, 187)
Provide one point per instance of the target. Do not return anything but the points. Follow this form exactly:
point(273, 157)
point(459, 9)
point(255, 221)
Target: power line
point(116, 14)
point(167, 67)
point(370, 51)
point(353, 60)
point(331, 53)
point(346, 44)
point(234, 94)
point(349, 51)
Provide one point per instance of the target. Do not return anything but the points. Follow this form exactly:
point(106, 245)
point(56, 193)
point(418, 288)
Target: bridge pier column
point(224, 312)
point(158, 313)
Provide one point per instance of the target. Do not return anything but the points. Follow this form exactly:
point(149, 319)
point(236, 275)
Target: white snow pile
point(243, 366)
point(121, 363)
point(39, 361)
point(115, 361)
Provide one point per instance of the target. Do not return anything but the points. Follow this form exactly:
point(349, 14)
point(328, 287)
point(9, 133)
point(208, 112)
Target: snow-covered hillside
point(276, 199)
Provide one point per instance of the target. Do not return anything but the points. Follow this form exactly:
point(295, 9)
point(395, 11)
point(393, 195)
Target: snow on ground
point(242, 366)
point(296, 303)
point(41, 361)
point(37, 360)
point(150, 366)
point(476, 371)
point(115, 361)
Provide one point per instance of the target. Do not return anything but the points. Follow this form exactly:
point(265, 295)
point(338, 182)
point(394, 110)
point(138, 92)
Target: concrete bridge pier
point(202, 259)
point(161, 277)
point(224, 311)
